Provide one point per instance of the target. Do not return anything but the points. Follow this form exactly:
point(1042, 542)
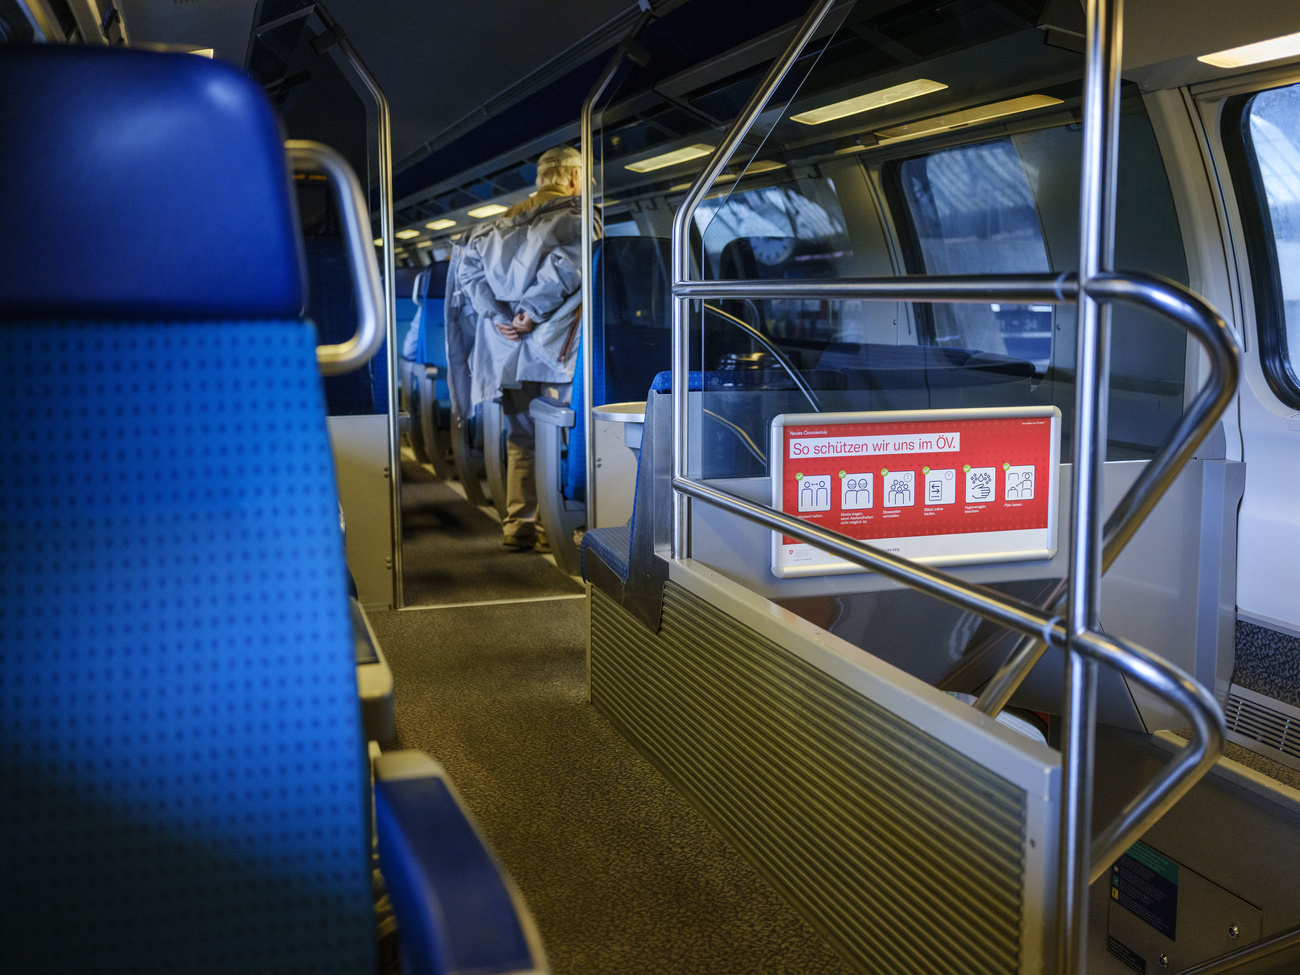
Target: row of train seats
point(422, 339)
point(185, 780)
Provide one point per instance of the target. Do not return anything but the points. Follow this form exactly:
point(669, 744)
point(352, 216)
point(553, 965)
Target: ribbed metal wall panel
point(904, 853)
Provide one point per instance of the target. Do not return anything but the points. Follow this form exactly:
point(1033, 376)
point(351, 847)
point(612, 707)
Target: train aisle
point(622, 875)
point(452, 551)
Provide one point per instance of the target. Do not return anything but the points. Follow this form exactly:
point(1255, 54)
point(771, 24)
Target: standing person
point(513, 315)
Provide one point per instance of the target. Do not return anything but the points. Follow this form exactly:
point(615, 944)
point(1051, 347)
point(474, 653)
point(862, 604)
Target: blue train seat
point(425, 370)
point(183, 772)
point(331, 304)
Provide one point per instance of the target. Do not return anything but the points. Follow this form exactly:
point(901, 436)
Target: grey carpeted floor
point(452, 551)
point(621, 874)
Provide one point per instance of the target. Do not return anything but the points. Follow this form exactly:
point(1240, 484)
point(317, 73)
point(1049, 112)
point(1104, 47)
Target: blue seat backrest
point(331, 304)
point(404, 279)
point(433, 334)
point(182, 773)
point(156, 225)
point(631, 332)
point(631, 316)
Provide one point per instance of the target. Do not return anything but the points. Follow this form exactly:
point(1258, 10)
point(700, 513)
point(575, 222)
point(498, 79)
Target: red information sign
point(945, 487)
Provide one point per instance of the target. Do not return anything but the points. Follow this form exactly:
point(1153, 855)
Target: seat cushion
point(612, 545)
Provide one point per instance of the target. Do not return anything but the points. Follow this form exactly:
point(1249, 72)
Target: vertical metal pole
point(588, 242)
point(1096, 256)
point(385, 166)
point(681, 253)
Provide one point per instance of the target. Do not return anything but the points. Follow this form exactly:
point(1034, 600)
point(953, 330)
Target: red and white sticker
point(956, 487)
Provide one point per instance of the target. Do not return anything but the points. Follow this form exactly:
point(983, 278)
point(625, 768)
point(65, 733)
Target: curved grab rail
point(312, 157)
point(777, 354)
point(1154, 672)
point(1180, 306)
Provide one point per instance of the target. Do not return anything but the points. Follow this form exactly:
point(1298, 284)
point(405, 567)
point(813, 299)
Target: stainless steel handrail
point(681, 246)
point(1097, 186)
point(384, 174)
point(1050, 289)
point(1179, 306)
point(776, 353)
point(312, 157)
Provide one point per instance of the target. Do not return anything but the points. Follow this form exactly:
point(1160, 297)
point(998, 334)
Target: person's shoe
point(541, 545)
point(518, 543)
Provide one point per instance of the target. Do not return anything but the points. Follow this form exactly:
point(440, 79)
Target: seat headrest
point(141, 185)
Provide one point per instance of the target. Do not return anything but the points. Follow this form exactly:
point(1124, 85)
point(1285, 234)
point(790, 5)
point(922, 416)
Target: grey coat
point(531, 262)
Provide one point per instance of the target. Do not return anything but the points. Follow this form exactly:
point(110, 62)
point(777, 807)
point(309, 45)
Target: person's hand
point(508, 330)
point(523, 324)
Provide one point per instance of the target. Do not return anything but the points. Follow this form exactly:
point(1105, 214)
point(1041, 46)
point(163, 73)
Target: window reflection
point(973, 213)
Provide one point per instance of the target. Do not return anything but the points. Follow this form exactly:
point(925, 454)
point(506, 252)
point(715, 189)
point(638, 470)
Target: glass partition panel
point(985, 181)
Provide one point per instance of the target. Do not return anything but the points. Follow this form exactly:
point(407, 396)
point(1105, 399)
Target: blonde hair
point(555, 165)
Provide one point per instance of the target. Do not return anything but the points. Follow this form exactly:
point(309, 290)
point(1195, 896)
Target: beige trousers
point(520, 523)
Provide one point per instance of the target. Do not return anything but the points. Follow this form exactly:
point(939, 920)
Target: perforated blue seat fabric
point(182, 775)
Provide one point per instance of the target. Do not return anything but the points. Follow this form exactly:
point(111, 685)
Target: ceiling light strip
point(871, 100)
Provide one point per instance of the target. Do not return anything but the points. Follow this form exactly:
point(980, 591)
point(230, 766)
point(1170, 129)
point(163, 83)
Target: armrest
point(374, 679)
point(550, 410)
point(457, 911)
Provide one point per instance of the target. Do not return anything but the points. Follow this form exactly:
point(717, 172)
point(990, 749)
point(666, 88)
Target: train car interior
point(914, 583)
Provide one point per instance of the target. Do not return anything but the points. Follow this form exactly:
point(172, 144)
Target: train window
point(1010, 205)
point(1268, 144)
point(973, 213)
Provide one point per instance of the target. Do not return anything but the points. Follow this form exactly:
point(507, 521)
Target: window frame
point(1261, 246)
